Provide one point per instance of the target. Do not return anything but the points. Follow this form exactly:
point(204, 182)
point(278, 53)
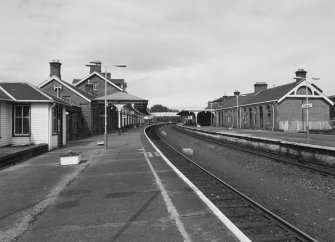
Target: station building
point(278, 108)
point(88, 97)
point(29, 116)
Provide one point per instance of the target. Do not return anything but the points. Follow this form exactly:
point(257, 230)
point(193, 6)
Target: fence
point(296, 126)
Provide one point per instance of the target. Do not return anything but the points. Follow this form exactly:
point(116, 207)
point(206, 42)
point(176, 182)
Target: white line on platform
point(169, 205)
point(238, 233)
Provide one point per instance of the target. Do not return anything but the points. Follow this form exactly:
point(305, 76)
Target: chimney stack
point(55, 68)
point(108, 75)
point(260, 86)
point(95, 66)
point(300, 73)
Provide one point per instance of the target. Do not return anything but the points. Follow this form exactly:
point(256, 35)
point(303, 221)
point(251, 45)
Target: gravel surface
point(303, 198)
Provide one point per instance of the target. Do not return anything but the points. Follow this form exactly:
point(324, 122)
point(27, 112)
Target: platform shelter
point(197, 117)
point(129, 109)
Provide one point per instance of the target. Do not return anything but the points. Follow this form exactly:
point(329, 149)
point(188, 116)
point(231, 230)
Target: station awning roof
point(125, 98)
point(188, 112)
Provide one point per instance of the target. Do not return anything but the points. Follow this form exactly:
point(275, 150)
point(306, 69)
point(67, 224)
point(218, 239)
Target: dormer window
point(95, 86)
point(58, 89)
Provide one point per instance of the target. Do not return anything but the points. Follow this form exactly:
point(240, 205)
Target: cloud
point(178, 53)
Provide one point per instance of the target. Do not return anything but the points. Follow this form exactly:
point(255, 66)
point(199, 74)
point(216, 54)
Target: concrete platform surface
point(314, 139)
point(124, 193)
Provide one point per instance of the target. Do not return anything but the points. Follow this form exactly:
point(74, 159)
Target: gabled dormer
point(59, 88)
point(95, 82)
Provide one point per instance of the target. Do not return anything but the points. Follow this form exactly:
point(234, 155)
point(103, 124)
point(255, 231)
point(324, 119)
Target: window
point(255, 116)
point(95, 86)
point(269, 111)
point(21, 120)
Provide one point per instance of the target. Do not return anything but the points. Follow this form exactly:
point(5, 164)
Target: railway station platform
point(124, 193)
point(325, 140)
point(316, 148)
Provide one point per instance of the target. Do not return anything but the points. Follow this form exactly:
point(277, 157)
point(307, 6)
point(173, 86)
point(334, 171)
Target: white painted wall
point(39, 131)
point(41, 126)
point(39, 119)
point(5, 123)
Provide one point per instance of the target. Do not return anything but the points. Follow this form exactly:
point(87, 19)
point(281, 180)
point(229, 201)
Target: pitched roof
point(99, 75)
point(267, 95)
point(274, 94)
point(120, 96)
point(25, 92)
point(117, 81)
point(20, 91)
point(4, 96)
point(125, 98)
point(84, 94)
point(59, 100)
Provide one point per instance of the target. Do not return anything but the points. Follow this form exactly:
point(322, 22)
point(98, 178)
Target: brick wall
point(75, 98)
point(290, 109)
point(101, 86)
point(84, 127)
point(332, 110)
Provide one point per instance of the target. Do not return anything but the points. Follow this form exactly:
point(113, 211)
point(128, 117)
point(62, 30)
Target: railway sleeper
point(225, 199)
point(226, 206)
point(225, 196)
point(282, 238)
point(243, 214)
point(203, 184)
point(247, 225)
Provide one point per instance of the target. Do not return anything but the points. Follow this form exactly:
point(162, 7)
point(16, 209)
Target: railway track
point(255, 221)
point(324, 169)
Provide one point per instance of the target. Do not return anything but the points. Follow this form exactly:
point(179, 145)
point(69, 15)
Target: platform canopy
point(190, 111)
point(125, 98)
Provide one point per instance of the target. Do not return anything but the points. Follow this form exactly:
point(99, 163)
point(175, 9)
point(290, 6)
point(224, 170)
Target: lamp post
point(238, 115)
point(307, 121)
point(211, 114)
point(237, 123)
point(307, 106)
point(106, 104)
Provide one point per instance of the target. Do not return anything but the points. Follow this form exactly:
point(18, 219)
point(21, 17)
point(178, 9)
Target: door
point(60, 126)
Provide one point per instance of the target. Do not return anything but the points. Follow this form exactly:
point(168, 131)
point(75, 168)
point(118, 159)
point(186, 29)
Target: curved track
point(255, 221)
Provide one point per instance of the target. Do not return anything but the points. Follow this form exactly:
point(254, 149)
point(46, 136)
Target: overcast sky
point(179, 53)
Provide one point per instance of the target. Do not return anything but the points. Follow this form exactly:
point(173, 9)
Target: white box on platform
point(187, 151)
point(70, 159)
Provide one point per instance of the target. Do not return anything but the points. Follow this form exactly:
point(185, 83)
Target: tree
point(159, 108)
